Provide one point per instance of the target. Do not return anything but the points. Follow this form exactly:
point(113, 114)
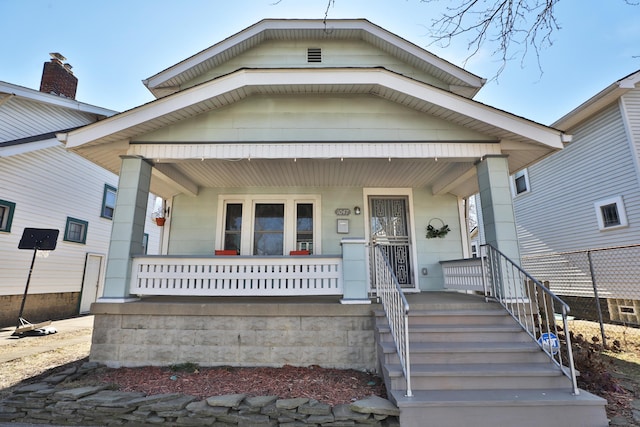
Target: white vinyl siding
point(20, 118)
point(631, 105)
point(559, 215)
point(48, 186)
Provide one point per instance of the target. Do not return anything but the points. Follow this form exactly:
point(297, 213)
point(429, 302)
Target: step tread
point(465, 347)
point(459, 328)
point(504, 397)
point(452, 313)
point(476, 369)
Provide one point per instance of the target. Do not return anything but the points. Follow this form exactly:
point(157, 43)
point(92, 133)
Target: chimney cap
point(58, 56)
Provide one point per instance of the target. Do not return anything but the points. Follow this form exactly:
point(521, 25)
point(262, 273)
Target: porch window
point(611, 213)
point(6, 215)
point(108, 201)
point(268, 238)
point(304, 227)
point(269, 225)
point(76, 230)
point(233, 227)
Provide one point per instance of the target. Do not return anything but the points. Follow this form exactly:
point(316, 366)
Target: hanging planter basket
point(160, 221)
point(437, 228)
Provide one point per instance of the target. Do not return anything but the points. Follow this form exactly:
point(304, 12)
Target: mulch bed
point(330, 386)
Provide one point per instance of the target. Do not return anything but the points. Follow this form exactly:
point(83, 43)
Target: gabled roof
point(603, 99)
point(170, 80)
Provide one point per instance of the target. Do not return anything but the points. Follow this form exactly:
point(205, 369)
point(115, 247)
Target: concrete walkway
point(12, 348)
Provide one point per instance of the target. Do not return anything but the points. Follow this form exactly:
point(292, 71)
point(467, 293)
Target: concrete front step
point(467, 352)
point(460, 333)
point(471, 376)
point(496, 316)
point(504, 407)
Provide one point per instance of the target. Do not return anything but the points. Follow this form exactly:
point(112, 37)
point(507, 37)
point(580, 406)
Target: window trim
point(107, 188)
point(11, 206)
point(85, 224)
point(514, 188)
point(622, 215)
point(249, 202)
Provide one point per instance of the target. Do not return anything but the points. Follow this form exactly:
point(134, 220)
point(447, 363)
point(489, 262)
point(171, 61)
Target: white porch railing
point(396, 309)
point(463, 274)
point(236, 276)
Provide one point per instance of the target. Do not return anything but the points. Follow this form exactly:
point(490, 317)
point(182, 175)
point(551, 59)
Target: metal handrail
point(396, 309)
point(532, 305)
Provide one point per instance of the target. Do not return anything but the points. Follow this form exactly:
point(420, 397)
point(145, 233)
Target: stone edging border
point(50, 401)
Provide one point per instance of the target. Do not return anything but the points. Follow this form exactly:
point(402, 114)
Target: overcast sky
point(113, 45)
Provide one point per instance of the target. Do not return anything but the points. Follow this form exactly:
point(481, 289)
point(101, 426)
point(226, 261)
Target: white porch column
point(498, 217)
point(355, 265)
point(128, 227)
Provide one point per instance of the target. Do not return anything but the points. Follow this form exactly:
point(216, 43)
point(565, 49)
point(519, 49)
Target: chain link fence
point(601, 285)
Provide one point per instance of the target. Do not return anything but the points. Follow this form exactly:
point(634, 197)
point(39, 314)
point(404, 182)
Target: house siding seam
point(565, 186)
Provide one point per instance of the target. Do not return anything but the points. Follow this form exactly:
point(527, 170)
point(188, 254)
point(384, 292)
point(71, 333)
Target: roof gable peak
point(172, 79)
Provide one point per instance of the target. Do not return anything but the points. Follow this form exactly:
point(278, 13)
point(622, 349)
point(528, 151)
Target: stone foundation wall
point(142, 334)
point(39, 307)
point(68, 403)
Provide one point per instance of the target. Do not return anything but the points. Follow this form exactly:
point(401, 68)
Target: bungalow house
point(578, 211)
point(308, 168)
point(42, 185)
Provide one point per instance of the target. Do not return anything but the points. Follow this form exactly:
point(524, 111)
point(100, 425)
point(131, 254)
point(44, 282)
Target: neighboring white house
point(42, 185)
point(586, 197)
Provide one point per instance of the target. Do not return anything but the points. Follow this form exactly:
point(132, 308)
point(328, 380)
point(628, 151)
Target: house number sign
point(343, 211)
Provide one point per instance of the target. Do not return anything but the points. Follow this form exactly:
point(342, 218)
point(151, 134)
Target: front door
point(390, 230)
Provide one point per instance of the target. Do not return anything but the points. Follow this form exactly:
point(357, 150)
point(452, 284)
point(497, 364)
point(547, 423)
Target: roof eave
point(46, 98)
point(598, 102)
point(247, 78)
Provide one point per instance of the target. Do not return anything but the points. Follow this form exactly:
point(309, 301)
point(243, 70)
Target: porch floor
point(294, 305)
point(426, 298)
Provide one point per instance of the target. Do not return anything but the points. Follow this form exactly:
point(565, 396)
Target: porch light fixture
point(357, 210)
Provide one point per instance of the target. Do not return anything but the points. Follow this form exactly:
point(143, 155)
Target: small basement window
point(611, 213)
point(76, 230)
point(6, 215)
point(314, 54)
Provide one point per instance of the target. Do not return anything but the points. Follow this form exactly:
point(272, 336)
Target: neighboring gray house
point(586, 197)
point(42, 185)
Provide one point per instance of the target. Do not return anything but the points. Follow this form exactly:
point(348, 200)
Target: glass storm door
point(390, 230)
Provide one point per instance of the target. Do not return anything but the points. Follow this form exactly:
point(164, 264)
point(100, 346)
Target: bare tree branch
point(515, 27)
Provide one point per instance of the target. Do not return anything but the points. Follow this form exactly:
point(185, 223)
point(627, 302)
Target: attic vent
point(314, 54)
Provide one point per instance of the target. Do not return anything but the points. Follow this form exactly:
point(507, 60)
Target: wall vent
point(314, 54)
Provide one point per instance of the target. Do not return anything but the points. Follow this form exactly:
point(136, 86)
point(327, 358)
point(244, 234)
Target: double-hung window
point(269, 225)
point(6, 215)
point(108, 201)
point(520, 182)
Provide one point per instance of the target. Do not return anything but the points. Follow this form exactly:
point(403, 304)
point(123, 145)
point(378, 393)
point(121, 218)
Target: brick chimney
point(57, 77)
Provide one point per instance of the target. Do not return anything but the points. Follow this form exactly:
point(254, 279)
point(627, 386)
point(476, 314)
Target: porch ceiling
point(418, 173)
